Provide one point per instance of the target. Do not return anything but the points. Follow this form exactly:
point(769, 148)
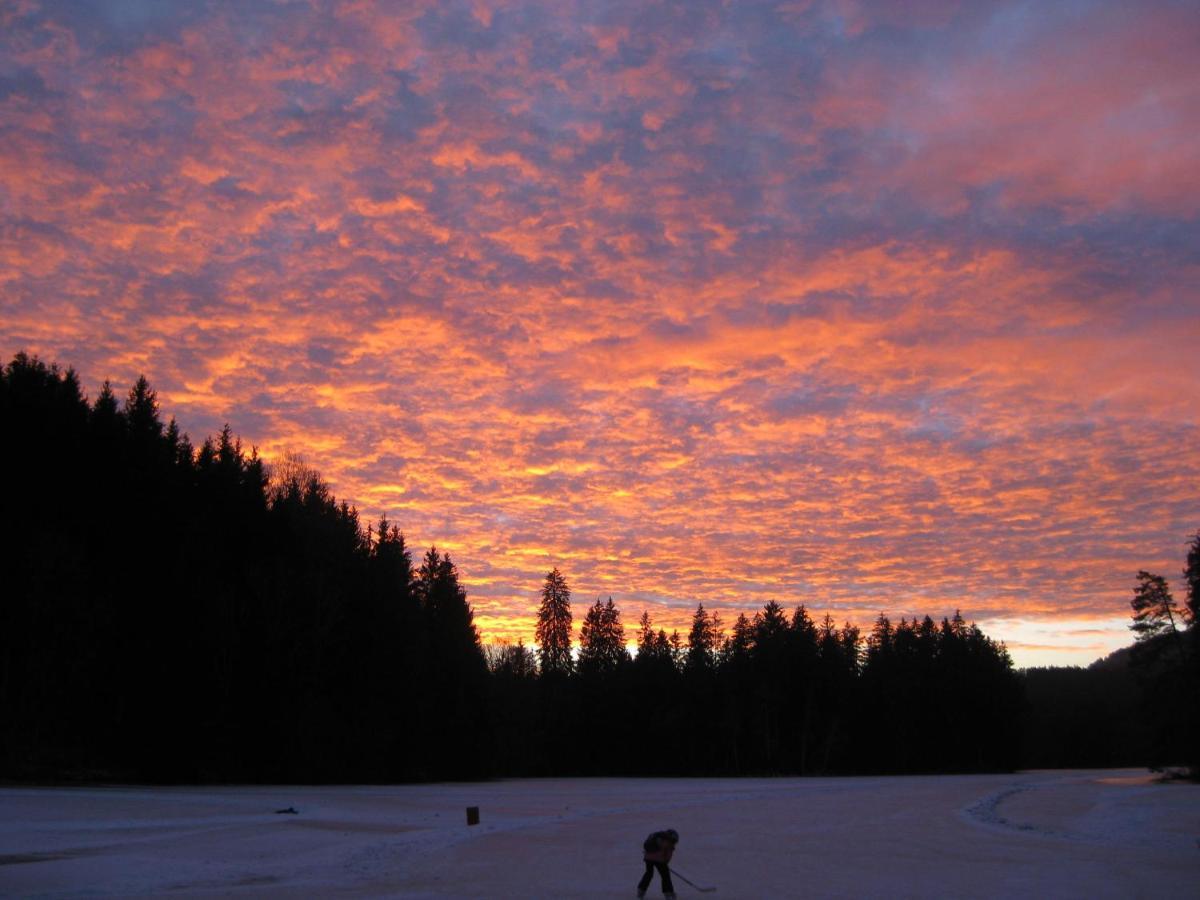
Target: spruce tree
point(450, 619)
point(737, 647)
point(702, 641)
point(553, 633)
point(677, 650)
point(879, 643)
point(770, 630)
point(851, 639)
point(654, 647)
point(457, 667)
point(104, 408)
point(645, 635)
point(803, 637)
point(614, 632)
point(591, 640)
point(602, 640)
point(141, 411)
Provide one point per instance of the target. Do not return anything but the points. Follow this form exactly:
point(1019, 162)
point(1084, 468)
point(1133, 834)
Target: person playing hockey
point(657, 850)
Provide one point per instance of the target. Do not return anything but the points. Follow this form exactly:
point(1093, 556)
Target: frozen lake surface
point(1032, 834)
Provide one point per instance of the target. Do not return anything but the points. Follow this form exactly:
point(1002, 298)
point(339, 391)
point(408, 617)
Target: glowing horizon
point(817, 302)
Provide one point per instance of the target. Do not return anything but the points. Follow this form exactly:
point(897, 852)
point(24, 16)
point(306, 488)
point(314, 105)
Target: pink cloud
point(819, 307)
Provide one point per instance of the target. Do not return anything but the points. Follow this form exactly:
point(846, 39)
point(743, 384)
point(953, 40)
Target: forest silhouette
point(182, 613)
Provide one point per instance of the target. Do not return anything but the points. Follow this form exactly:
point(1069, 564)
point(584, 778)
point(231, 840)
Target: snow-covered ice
point(1031, 834)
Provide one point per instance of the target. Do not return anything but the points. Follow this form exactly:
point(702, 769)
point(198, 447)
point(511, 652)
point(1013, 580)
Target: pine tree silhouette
point(554, 627)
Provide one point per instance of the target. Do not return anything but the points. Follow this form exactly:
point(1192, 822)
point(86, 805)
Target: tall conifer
point(554, 626)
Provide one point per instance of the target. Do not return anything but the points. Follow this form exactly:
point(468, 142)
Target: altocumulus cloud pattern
point(870, 306)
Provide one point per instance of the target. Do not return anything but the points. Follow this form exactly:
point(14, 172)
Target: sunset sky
point(875, 307)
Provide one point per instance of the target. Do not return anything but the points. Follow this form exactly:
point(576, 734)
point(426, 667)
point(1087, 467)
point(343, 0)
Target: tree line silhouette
point(781, 693)
point(182, 613)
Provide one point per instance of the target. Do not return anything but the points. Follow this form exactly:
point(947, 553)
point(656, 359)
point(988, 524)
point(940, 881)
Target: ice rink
point(1034, 834)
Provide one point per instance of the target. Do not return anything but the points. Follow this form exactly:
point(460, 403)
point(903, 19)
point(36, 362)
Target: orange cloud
point(808, 304)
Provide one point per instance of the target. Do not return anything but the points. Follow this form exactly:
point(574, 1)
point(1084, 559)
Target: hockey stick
point(703, 890)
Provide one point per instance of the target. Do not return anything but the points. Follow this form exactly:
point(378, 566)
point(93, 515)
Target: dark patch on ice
point(218, 884)
point(257, 879)
point(351, 825)
point(987, 812)
point(17, 859)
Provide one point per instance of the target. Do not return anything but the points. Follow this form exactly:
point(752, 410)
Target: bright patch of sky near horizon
point(820, 302)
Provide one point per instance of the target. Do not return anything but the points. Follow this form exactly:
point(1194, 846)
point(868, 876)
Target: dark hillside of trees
point(1137, 706)
point(180, 613)
point(1084, 717)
